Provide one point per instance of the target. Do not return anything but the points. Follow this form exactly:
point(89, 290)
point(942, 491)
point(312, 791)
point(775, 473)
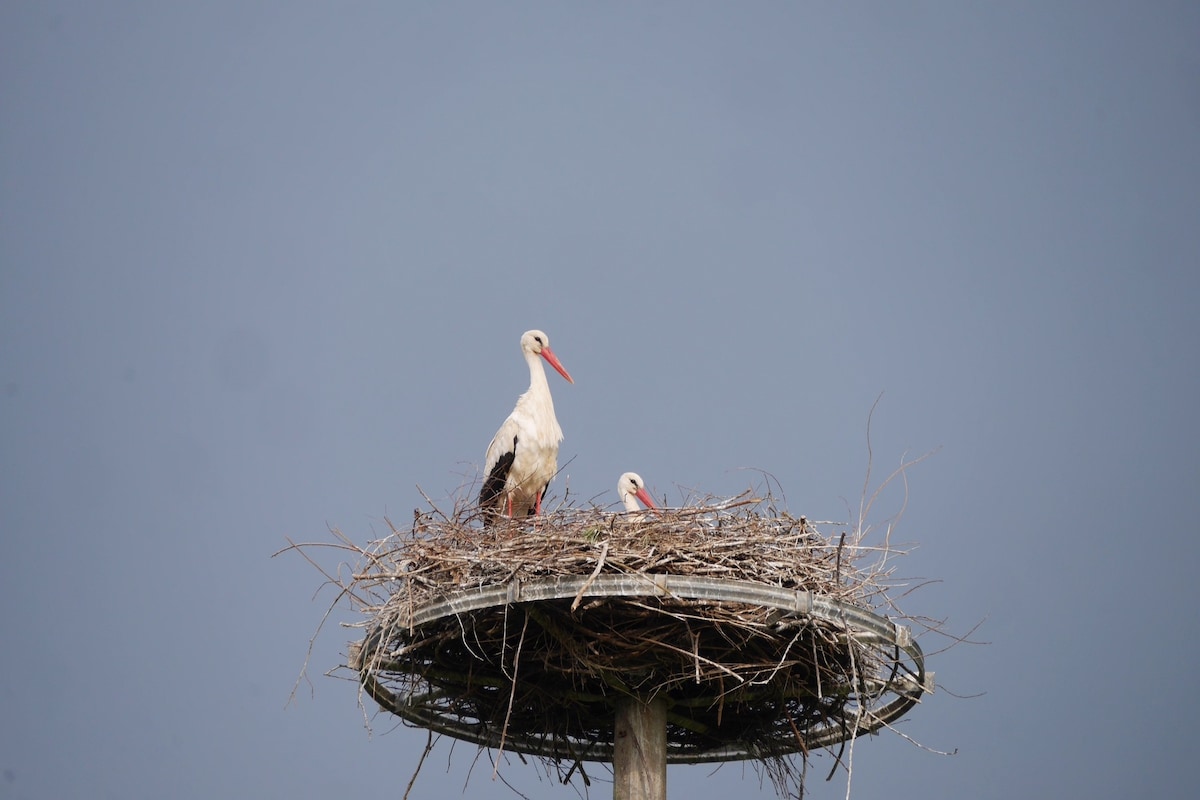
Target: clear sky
point(264, 268)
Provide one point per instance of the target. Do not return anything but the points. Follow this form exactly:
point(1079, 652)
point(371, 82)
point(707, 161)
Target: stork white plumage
point(523, 455)
point(631, 489)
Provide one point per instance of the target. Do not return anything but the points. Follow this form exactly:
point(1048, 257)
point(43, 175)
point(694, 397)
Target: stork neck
point(538, 385)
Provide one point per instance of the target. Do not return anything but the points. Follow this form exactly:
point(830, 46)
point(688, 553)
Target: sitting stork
point(632, 488)
point(523, 455)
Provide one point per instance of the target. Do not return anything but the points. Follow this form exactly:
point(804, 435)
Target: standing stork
point(523, 455)
point(632, 488)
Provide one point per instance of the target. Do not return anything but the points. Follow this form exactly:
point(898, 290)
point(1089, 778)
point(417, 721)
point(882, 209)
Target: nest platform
point(762, 635)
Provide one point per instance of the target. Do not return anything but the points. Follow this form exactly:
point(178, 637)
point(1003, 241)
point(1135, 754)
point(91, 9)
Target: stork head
point(538, 343)
point(632, 488)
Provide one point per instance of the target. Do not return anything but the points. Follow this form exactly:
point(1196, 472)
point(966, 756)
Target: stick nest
point(741, 680)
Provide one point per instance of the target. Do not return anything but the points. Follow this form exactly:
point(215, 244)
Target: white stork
point(523, 455)
point(632, 488)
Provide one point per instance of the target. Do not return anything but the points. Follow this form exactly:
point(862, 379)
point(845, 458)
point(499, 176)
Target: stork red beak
point(548, 354)
point(644, 496)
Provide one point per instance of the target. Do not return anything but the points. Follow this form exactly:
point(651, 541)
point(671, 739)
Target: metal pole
point(640, 749)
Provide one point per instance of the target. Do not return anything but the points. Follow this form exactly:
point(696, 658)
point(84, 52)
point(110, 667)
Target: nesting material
point(742, 679)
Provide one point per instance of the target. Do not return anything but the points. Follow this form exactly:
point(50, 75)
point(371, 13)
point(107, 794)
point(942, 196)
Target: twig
point(420, 761)
point(599, 566)
point(513, 691)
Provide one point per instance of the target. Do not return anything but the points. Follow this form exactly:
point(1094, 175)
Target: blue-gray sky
point(264, 267)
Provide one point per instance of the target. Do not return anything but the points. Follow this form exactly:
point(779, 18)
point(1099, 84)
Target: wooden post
point(640, 749)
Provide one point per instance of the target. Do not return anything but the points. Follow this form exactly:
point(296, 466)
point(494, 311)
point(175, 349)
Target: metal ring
point(866, 627)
